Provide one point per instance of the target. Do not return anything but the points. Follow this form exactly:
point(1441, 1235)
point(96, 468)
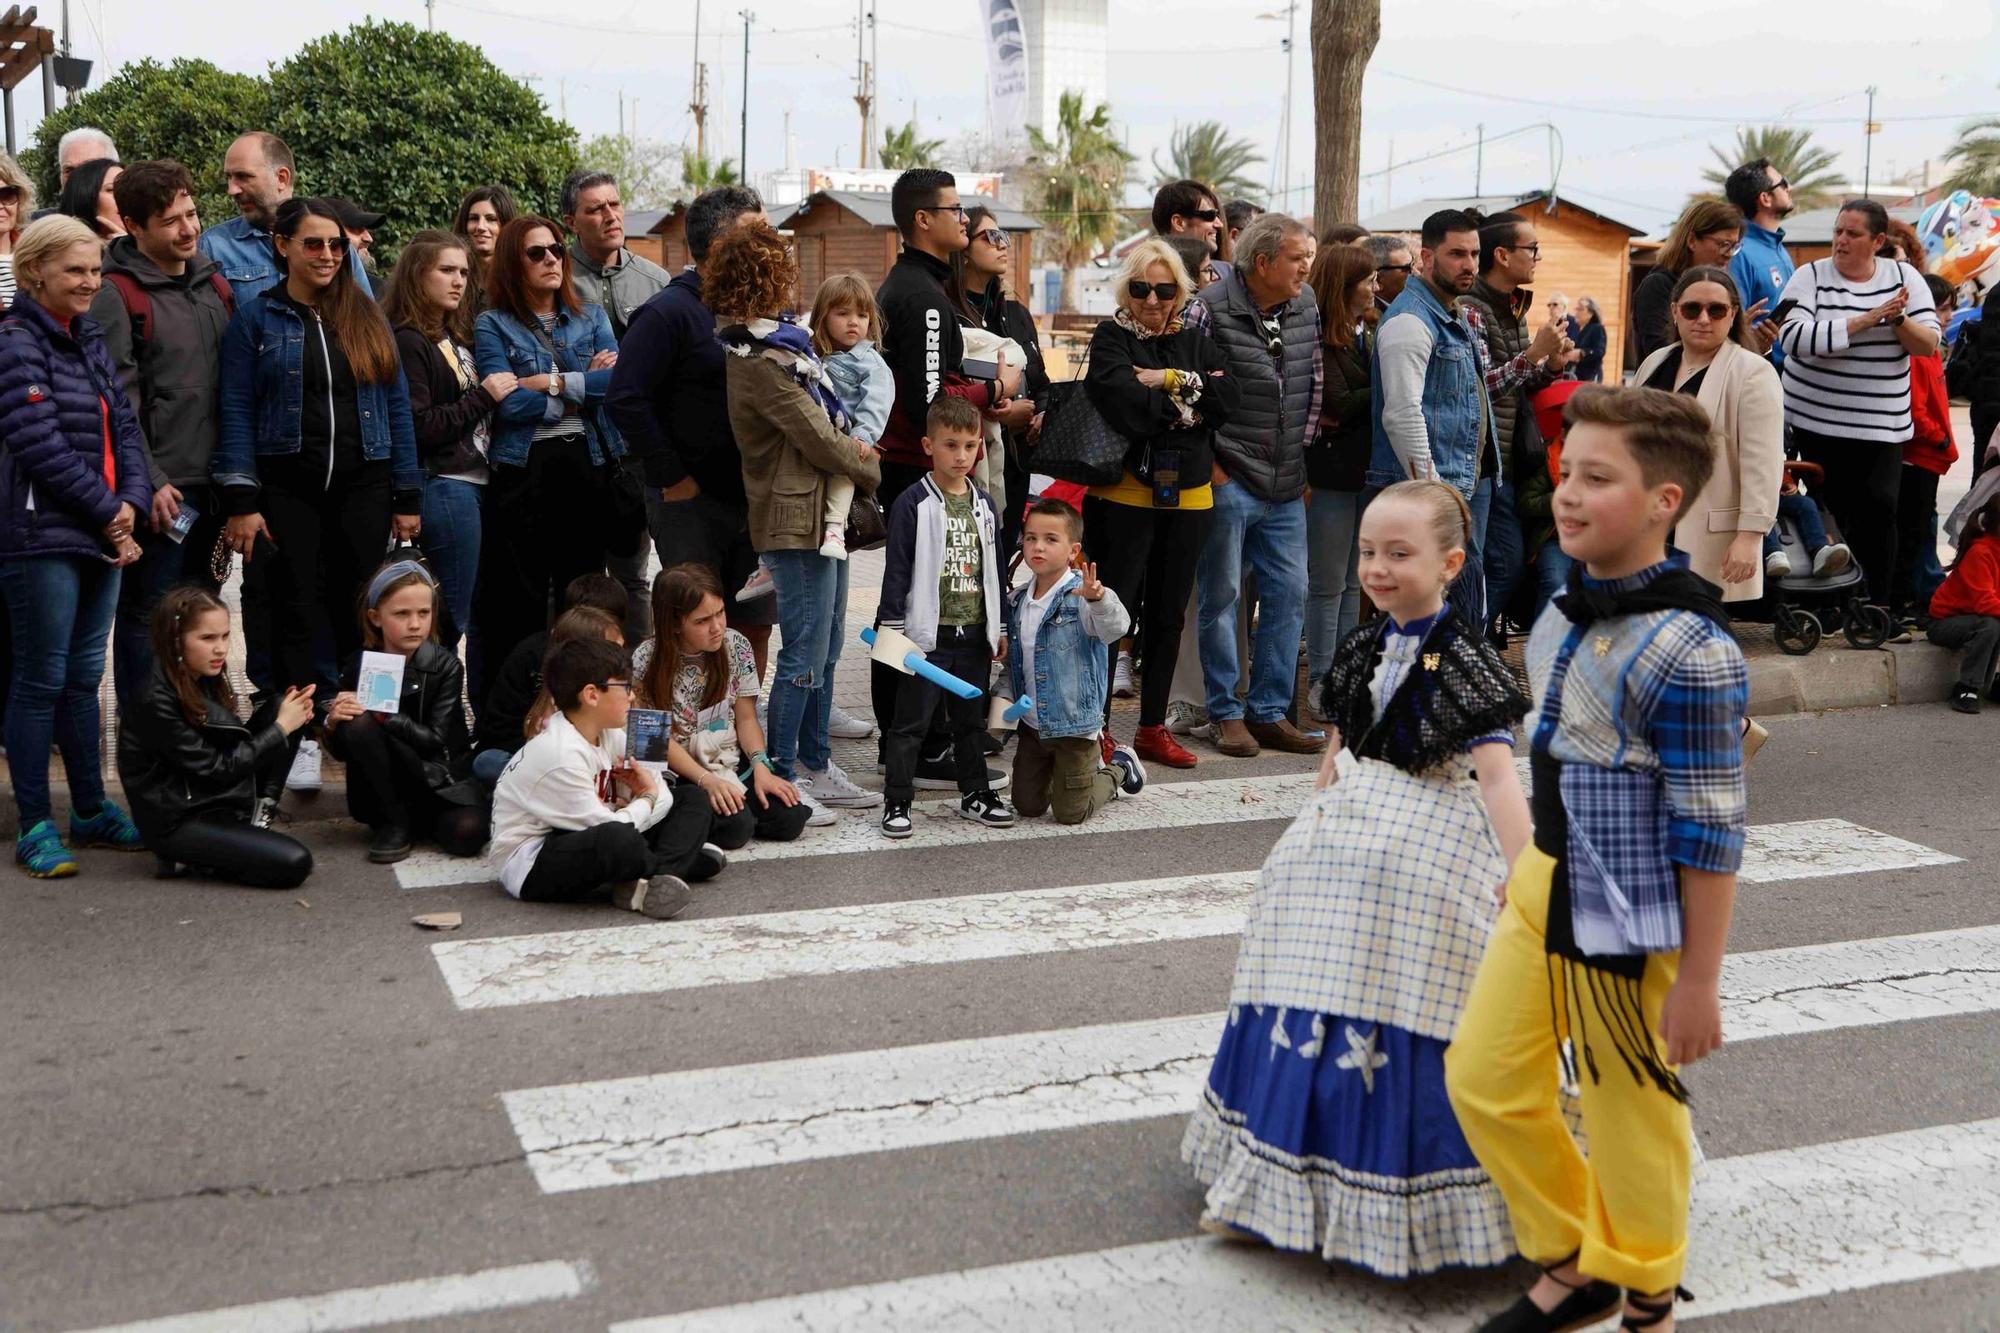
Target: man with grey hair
point(1394, 263)
point(85, 143)
point(1266, 324)
point(605, 273)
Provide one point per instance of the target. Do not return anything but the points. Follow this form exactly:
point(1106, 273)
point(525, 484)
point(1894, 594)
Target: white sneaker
point(1183, 717)
point(1833, 559)
point(760, 585)
point(833, 544)
point(841, 723)
point(821, 816)
point(833, 787)
point(1121, 678)
point(305, 768)
point(1777, 565)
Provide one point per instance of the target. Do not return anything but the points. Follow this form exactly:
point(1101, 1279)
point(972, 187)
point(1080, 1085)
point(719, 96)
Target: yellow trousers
point(1624, 1209)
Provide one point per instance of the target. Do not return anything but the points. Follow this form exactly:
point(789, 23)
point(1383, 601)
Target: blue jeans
point(1804, 513)
point(1503, 557)
point(1271, 540)
point(812, 606)
point(1333, 575)
point(61, 608)
point(452, 513)
point(1468, 592)
point(1551, 574)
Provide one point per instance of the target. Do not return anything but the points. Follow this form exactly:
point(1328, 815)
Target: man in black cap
point(360, 224)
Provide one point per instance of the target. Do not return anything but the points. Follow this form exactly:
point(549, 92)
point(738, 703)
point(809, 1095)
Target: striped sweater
point(1853, 387)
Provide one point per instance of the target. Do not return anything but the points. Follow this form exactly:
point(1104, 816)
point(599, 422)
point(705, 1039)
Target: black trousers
point(1862, 483)
point(223, 848)
point(1979, 636)
point(885, 683)
point(386, 786)
point(961, 650)
point(766, 823)
point(1984, 422)
point(544, 526)
point(582, 867)
point(329, 542)
point(1916, 505)
point(1148, 557)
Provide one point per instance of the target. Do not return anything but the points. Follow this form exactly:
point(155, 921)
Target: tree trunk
point(1067, 302)
point(1344, 33)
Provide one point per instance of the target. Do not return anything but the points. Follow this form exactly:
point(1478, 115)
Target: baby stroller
point(1804, 606)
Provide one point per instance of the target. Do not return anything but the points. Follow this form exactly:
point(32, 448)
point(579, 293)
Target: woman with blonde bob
point(1163, 386)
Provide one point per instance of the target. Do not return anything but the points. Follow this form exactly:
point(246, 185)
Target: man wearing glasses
point(1189, 208)
point(1393, 266)
point(1762, 266)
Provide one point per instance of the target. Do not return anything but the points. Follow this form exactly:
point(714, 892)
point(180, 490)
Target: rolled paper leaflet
point(893, 649)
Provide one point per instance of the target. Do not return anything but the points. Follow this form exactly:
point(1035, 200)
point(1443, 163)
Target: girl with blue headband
point(410, 770)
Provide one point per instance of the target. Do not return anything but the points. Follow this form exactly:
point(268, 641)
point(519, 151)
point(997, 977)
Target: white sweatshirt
point(559, 782)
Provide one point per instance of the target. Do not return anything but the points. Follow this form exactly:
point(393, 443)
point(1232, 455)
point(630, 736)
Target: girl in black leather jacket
point(410, 769)
point(202, 782)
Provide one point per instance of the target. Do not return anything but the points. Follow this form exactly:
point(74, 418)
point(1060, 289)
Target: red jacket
point(1973, 586)
point(1931, 447)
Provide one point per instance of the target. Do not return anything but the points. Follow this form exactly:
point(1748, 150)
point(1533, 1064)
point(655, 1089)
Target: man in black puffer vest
point(1267, 324)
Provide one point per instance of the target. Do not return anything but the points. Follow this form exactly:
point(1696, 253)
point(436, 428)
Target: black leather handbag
point(1077, 443)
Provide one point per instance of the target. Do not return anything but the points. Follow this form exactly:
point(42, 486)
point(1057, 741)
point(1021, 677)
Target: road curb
point(1843, 677)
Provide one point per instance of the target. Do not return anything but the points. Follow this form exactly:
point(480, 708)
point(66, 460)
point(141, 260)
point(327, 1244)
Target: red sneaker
point(1156, 745)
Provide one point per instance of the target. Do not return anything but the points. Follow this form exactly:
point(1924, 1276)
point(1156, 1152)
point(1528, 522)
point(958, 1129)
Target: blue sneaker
point(110, 828)
point(42, 854)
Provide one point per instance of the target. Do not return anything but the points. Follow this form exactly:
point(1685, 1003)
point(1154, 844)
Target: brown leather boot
point(1234, 739)
point(1283, 736)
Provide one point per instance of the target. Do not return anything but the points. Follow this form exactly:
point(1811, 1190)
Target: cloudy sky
point(1637, 92)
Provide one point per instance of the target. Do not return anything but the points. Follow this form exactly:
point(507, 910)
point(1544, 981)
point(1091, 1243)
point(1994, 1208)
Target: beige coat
point(1746, 405)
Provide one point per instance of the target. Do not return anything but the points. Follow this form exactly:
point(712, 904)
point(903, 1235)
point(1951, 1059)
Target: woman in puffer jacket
point(73, 482)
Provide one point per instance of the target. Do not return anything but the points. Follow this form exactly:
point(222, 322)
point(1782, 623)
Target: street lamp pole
point(743, 123)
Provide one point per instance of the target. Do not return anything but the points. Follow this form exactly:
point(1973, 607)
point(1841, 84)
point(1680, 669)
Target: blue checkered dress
point(1324, 1126)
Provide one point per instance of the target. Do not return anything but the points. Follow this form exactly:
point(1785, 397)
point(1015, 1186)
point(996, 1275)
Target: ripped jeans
point(812, 607)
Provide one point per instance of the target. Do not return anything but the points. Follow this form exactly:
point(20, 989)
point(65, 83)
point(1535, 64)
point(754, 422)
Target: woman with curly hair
point(793, 434)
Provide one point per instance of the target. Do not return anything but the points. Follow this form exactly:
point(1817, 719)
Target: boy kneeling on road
point(574, 820)
point(1057, 629)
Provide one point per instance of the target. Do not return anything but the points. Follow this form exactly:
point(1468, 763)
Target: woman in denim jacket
point(553, 448)
point(317, 461)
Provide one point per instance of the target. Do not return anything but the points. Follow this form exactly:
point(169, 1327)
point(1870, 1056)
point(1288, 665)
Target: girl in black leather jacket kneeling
point(201, 782)
point(412, 768)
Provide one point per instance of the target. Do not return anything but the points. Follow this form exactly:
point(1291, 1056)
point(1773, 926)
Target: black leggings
point(386, 785)
point(1863, 480)
point(1147, 557)
point(329, 541)
point(582, 866)
point(545, 525)
point(220, 847)
point(766, 823)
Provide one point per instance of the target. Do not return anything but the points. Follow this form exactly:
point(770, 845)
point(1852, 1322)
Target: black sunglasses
point(1409, 267)
point(1717, 311)
point(1205, 214)
point(1166, 291)
point(9, 193)
point(316, 245)
point(538, 253)
point(994, 237)
point(1780, 184)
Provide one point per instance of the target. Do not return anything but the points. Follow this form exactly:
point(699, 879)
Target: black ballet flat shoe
point(1588, 1304)
point(1653, 1309)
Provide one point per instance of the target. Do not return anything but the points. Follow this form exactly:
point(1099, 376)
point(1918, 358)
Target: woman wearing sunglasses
point(1706, 235)
point(17, 201)
point(317, 461)
point(1162, 386)
point(1716, 360)
point(552, 451)
point(979, 281)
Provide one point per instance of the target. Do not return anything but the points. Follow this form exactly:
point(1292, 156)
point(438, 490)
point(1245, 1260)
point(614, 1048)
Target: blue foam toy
point(1020, 708)
point(917, 664)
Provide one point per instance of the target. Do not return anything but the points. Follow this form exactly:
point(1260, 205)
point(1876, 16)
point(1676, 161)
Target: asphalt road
point(216, 1097)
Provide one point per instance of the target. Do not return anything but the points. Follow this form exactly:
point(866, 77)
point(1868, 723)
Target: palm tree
point(1344, 33)
point(1797, 158)
point(1204, 152)
point(698, 173)
point(1076, 179)
point(1976, 157)
point(902, 149)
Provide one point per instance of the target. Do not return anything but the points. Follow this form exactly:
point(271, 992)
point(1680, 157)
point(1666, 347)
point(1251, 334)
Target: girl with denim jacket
point(317, 463)
point(553, 449)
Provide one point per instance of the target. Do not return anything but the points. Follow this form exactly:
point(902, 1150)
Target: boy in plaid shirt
point(1617, 917)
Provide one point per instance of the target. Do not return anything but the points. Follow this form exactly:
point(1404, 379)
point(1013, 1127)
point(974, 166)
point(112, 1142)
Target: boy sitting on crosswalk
point(1057, 627)
point(575, 820)
point(1617, 916)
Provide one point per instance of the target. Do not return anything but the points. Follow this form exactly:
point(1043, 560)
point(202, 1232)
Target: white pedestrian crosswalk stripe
point(1163, 805)
point(652, 1127)
point(396, 1303)
point(1765, 1229)
point(678, 955)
